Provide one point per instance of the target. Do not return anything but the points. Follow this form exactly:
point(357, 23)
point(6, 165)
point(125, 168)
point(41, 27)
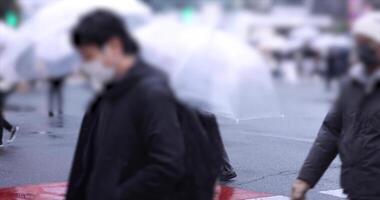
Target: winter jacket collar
point(358, 75)
point(120, 87)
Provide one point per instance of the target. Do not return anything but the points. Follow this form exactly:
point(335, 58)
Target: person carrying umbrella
point(352, 127)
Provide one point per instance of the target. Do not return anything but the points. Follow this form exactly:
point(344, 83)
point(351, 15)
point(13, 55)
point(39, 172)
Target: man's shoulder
point(347, 83)
point(154, 84)
point(154, 80)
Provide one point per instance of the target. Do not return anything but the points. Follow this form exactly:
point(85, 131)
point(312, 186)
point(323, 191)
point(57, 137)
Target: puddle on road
point(49, 134)
point(57, 121)
point(42, 132)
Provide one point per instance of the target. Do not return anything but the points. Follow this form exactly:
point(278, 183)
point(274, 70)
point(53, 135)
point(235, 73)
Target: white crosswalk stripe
point(272, 198)
point(335, 193)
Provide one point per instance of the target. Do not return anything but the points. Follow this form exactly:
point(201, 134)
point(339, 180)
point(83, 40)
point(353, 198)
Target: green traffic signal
point(11, 18)
point(187, 14)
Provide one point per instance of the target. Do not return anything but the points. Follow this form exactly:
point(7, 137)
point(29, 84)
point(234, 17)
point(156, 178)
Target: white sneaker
point(1, 144)
point(13, 134)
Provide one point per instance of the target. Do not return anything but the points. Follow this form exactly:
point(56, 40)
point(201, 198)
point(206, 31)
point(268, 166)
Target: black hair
point(98, 27)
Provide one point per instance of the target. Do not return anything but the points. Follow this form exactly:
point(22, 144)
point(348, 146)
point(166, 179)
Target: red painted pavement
point(56, 191)
point(229, 193)
point(51, 191)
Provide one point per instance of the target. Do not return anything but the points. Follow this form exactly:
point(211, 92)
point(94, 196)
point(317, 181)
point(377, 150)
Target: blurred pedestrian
point(337, 65)
point(130, 145)
point(352, 127)
point(5, 88)
point(55, 99)
point(309, 61)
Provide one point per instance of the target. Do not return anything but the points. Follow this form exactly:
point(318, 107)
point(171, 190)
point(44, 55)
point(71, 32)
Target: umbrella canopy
point(305, 34)
point(268, 40)
point(160, 51)
point(212, 70)
point(16, 52)
point(7, 34)
point(326, 41)
point(49, 29)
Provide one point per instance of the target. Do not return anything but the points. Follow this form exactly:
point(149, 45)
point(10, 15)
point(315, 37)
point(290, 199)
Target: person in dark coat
point(352, 127)
point(130, 145)
point(338, 62)
point(55, 100)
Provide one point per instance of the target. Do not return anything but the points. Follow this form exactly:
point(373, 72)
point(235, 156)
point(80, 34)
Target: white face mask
point(98, 74)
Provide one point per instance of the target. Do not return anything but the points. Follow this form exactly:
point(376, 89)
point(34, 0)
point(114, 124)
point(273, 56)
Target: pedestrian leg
point(51, 95)
point(59, 94)
point(1, 133)
point(2, 100)
point(5, 124)
point(9, 127)
point(227, 171)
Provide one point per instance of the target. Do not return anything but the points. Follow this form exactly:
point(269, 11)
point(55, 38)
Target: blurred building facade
point(160, 5)
point(341, 11)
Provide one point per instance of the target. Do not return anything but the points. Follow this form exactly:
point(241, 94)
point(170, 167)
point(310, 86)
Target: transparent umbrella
point(49, 29)
point(16, 52)
point(160, 52)
point(326, 41)
point(214, 71)
point(306, 33)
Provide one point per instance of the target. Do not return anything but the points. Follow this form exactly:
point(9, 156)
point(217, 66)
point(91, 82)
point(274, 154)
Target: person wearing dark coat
point(130, 145)
point(337, 64)
point(55, 99)
point(352, 127)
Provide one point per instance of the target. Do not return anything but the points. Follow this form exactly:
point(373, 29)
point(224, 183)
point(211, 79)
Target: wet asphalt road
point(266, 153)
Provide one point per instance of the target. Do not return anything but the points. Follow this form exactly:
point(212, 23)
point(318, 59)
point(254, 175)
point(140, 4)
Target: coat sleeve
point(75, 189)
point(325, 147)
point(164, 146)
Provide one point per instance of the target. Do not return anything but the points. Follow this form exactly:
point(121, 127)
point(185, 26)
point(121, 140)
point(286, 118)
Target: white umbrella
point(172, 44)
point(274, 43)
point(49, 29)
point(7, 73)
point(305, 34)
point(16, 52)
point(160, 51)
point(213, 70)
point(268, 40)
point(7, 34)
point(326, 41)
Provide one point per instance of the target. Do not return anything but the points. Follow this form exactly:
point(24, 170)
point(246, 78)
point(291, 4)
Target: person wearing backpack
point(130, 146)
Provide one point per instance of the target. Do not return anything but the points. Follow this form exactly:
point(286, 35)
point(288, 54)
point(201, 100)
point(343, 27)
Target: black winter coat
point(130, 145)
point(352, 131)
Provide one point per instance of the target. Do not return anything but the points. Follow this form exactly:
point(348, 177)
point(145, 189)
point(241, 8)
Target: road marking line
point(335, 193)
point(281, 137)
point(272, 198)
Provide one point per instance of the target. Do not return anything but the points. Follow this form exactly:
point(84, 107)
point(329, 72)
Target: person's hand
point(299, 190)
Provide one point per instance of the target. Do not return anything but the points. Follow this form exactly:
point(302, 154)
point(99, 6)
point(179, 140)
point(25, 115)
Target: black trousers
point(4, 124)
point(56, 94)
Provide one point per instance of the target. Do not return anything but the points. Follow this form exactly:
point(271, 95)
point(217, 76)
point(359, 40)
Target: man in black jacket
point(352, 127)
point(130, 145)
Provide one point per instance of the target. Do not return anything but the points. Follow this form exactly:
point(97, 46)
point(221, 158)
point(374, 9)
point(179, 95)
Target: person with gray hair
point(352, 127)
